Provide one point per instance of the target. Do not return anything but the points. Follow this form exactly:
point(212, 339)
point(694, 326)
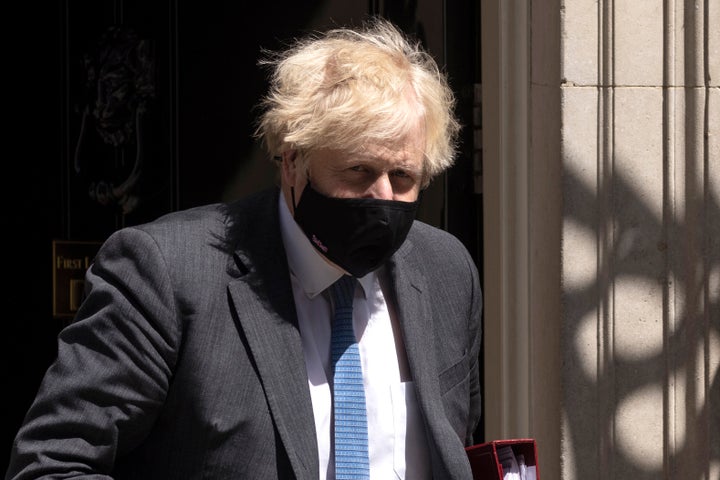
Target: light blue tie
point(351, 438)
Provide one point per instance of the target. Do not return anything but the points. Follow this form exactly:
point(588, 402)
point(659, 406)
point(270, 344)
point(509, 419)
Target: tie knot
point(343, 291)
point(343, 334)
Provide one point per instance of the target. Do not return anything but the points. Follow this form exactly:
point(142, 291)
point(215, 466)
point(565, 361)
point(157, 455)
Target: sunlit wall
point(641, 239)
point(630, 92)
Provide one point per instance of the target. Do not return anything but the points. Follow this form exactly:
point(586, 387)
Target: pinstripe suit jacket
point(185, 359)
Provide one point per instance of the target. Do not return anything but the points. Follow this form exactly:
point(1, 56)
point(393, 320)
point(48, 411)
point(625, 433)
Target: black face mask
point(357, 234)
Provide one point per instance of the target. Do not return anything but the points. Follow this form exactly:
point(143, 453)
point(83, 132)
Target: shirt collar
point(307, 264)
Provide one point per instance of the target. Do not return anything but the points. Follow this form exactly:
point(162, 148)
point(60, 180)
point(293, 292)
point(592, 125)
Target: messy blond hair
point(346, 88)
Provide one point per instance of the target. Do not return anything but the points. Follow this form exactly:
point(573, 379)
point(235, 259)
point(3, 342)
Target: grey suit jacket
point(185, 359)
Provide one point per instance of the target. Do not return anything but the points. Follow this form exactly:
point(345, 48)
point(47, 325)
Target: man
point(203, 348)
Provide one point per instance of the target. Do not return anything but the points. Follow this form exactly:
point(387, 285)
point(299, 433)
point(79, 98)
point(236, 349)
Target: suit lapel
point(415, 318)
point(263, 300)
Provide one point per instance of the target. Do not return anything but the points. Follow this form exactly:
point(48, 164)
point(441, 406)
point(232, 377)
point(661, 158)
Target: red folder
point(484, 457)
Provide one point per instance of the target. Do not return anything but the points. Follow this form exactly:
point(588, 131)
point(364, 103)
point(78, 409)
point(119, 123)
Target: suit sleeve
point(103, 392)
point(475, 323)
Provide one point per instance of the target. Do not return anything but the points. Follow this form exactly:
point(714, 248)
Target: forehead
point(374, 157)
point(408, 150)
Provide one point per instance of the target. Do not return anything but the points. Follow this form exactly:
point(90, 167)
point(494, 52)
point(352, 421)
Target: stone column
point(608, 305)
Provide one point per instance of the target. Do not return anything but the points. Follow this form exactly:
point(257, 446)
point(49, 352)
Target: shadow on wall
point(643, 330)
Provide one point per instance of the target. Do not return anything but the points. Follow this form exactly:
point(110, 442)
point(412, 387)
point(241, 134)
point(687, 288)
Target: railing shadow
point(644, 398)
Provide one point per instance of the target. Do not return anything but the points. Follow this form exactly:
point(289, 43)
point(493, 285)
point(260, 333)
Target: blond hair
point(346, 88)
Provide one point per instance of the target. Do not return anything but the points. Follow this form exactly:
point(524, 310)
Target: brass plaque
point(70, 261)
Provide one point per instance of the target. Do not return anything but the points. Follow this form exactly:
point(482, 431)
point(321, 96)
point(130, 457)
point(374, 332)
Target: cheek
point(409, 196)
point(405, 189)
point(328, 183)
point(300, 182)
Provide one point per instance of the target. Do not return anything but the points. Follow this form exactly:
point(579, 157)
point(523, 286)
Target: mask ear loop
point(292, 190)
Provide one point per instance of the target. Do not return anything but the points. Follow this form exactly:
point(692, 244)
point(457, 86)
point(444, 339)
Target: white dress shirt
point(397, 444)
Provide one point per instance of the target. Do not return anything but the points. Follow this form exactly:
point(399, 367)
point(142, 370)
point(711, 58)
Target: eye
point(406, 177)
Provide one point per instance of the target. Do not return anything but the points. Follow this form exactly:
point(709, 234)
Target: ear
point(289, 167)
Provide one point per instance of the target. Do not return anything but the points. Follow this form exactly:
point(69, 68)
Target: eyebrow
point(410, 168)
point(374, 159)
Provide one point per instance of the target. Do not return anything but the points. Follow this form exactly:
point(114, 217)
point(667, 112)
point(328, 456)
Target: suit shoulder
point(423, 233)
point(212, 217)
point(433, 246)
point(209, 224)
point(189, 218)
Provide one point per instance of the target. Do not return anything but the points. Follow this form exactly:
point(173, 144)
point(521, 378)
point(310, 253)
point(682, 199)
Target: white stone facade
point(601, 151)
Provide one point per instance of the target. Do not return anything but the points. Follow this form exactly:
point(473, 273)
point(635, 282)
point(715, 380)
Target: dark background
point(197, 145)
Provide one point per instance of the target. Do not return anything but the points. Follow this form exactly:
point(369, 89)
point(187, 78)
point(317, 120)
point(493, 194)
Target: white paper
point(510, 466)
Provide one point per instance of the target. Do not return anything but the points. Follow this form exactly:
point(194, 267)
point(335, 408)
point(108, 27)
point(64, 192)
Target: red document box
point(484, 457)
